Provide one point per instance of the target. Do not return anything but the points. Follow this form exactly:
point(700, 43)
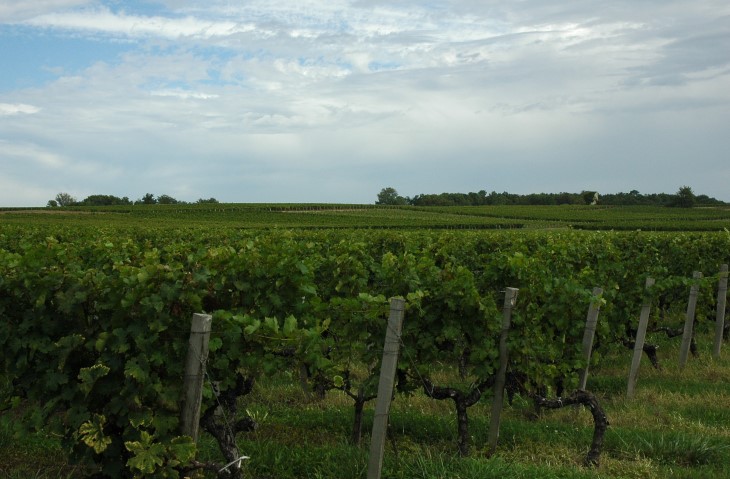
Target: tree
point(166, 200)
point(589, 197)
point(52, 204)
point(104, 200)
point(64, 199)
point(147, 199)
point(389, 196)
point(209, 200)
point(684, 198)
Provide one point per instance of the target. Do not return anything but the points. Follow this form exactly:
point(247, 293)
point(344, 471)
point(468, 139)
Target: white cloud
point(7, 109)
point(18, 10)
point(183, 94)
point(108, 22)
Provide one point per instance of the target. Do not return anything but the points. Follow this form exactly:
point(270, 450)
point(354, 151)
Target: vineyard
point(97, 307)
point(314, 216)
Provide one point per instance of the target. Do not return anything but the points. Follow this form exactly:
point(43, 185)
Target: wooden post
point(689, 320)
point(194, 374)
point(639, 343)
point(510, 299)
point(385, 387)
point(589, 334)
point(721, 304)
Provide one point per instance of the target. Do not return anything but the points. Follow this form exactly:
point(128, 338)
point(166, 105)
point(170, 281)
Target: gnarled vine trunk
point(600, 420)
point(224, 431)
point(649, 349)
point(360, 401)
point(462, 402)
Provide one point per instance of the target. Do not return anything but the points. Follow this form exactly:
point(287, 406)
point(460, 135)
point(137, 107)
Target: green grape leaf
point(147, 454)
point(92, 434)
point(290, 325)
point(183, 449)
point(89, 376)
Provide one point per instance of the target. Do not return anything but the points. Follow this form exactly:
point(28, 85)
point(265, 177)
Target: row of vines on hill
point(95, 322)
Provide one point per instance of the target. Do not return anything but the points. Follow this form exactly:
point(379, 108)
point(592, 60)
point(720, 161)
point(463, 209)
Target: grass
point(34, 457)
point(677, 426)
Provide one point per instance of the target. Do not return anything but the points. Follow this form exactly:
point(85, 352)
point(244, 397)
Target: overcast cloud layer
point(330, 101)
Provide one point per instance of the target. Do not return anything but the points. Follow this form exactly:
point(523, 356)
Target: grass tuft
point(677, 448)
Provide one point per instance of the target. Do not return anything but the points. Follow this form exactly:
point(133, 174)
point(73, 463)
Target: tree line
point(684, 197)
point(65, 199)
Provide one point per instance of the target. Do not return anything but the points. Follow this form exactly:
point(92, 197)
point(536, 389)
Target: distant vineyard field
point(314, 216)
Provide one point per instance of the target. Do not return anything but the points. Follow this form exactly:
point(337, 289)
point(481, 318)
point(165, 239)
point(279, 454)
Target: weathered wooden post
point(195, 374)
point(589, 334)
point(385, 387)
point(510, 299)
point(721, 304)
point(689, 320)
point(639, 343)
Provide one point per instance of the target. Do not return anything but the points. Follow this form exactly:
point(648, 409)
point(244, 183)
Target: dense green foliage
point(96, 320)
point(65, 199)
point(684, 198)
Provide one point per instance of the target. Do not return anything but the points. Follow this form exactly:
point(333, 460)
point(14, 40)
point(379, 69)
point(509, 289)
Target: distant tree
point(482, 195)
point(166, 200)
point(622, 199)
point(104, 200)
point(209, 200)
point(684, 198)
point(64, 199)
point(589, 197)
point(52, 204)
point(443, 199)
point(389, 196)
point(565, 198)
point(495, 198)
point(147, 199)
point(706, 200)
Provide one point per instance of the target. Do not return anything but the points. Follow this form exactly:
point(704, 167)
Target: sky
point(331, 101)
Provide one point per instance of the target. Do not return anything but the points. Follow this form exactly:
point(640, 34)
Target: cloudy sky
point(330, 101)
